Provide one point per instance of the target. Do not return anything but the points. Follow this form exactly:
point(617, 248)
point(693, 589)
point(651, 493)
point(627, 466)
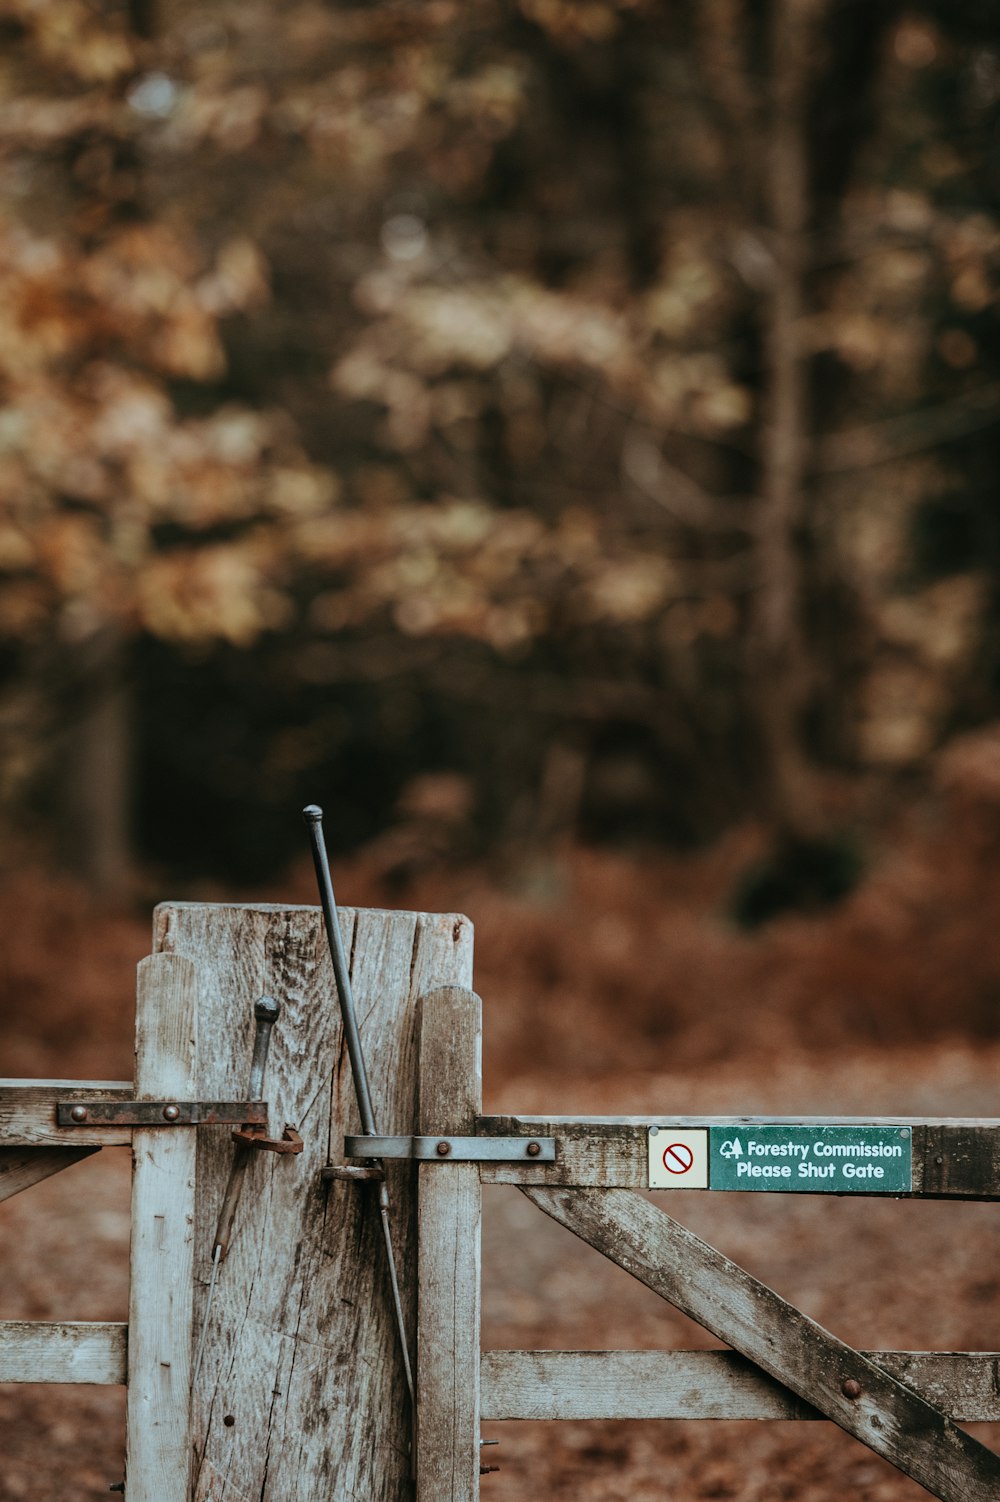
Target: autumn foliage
point(595, 401)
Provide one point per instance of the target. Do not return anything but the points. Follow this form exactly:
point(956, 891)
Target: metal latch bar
point(163, 1113)
point(454, 1149)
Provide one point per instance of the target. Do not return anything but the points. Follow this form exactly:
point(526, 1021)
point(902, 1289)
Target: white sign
point(678, 1157)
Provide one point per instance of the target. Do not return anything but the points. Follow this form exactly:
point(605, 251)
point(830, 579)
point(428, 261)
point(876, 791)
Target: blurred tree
point(568, 393)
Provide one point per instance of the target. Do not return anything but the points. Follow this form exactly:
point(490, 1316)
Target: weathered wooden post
point(301, 1396)
point(449, 1253)
point(158, 1455)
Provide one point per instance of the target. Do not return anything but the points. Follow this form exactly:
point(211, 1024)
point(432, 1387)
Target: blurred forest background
point(510, 423)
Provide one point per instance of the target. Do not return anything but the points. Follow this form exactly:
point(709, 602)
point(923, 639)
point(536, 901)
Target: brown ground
point(626, 992)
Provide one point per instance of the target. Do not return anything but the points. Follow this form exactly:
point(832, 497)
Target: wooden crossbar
point(33, 1351)
point(952, 1158)
point(28, 1113)
point(710, 1385)
point(845, 1385)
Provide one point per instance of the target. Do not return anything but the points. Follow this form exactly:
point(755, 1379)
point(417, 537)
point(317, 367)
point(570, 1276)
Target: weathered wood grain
point(956, 1160)
point(886, 1416)
point(28, 1113)
point(20, 1167)
point(302, 1394)
point(952, 1159)
point(709, 1385)
point(157, 1461)
point(449, 1222)
point(31, 1351)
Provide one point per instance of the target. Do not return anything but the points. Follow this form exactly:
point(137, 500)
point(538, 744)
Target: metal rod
point(216, 1260)
point(397, 1302)
point(313, 816)
point(266, 1013)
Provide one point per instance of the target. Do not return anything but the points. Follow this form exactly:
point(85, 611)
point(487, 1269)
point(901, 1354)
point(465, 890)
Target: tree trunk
point(779, 654)
point(96, 779)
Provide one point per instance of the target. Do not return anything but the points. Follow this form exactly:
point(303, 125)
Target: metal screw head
point(79, 1113)
point(171, 1113)
point(533, 1149)
point(443, 1149)
point(851, 1388)
point(267, 1009)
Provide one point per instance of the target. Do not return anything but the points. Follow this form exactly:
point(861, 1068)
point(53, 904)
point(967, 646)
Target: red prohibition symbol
point(677, 1158)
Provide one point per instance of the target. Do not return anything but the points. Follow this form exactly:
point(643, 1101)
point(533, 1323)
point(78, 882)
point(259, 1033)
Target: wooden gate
point(781, 1365)
point(301, 1394)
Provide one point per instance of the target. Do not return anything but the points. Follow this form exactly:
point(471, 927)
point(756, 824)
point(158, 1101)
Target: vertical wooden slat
point(448, 1292)
point(159, 1365)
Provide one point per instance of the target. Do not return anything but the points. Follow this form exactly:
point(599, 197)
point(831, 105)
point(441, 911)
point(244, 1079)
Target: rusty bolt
point(229, 1421)
point(443, 1149)
point(851, 1388)
point(533, 1149)
point(484, 1470)
point(171, 1113)
point(79, 1113)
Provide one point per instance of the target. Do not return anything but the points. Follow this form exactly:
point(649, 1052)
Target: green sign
point(812, 1159)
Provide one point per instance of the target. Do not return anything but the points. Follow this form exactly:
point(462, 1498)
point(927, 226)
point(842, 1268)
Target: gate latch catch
point(454, 1149)
point(254, 1136)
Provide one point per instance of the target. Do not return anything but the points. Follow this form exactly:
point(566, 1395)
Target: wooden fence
point(301, 1392)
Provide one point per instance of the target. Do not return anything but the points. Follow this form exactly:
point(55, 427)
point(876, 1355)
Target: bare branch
point(910, 433)
point(670, 488)
point(776, 644)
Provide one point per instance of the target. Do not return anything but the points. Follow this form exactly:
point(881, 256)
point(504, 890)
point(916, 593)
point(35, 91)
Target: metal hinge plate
point(161, 1113)
point(454, 1149)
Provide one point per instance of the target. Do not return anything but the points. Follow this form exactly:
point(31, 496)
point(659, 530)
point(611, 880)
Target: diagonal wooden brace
point(20, 1167)
point(844, 1385)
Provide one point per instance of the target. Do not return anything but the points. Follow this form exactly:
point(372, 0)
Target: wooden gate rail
point(533, 1385)
point(28, 1117)
point(952, 1158)
point(78, 1351)
point(709, 1385)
